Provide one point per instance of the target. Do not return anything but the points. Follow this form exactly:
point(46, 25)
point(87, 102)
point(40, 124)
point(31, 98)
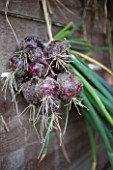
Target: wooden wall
point(18, 150)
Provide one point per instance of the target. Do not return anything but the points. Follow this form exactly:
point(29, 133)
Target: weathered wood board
point(18, 150)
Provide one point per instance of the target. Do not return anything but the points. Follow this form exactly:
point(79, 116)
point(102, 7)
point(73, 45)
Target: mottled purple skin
point(70, 86)
point(31, 42)
point(37, 55)
point(33, 47)
point(29, 93)
point(17, 63)
point(57, 47)
point(37, 69)
point(56, 50)
point(47, 87)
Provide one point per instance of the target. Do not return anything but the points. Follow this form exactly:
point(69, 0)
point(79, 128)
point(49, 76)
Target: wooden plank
point(17, 150)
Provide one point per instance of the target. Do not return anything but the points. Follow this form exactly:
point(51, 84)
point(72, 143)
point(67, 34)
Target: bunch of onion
point(42, 75)
point(25, 67)
point(20, 64)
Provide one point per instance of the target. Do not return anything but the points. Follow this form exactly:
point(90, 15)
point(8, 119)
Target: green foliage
point(97, 94)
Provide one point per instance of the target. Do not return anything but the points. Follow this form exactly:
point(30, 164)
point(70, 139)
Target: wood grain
point(18, 150)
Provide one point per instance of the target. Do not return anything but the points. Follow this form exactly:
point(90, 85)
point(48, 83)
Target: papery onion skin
point(70, 86)
point(47, 87)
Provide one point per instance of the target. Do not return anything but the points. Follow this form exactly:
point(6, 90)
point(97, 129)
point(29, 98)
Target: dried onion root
point(58, 55)
point(28, 91)
point(70, 89)
point(47, 91)
point(42, 75)
point(9, 81)
point(17, 68)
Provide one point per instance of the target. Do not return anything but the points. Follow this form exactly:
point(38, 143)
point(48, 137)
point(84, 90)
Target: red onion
point(37, 69)
point(18, 64)
point(58, 55)
point(37, 55)
point(31, 42)
point(47, 87)
point(33, 47)
point(57, 47)
point(70, 86)
point(28, 90)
